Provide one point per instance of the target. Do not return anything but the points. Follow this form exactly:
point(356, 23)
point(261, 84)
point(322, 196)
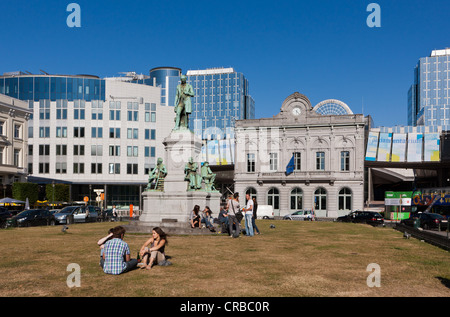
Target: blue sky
point(322, 49)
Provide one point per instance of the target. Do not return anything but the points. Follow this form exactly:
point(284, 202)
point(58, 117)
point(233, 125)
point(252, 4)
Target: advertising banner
point(372, 146)
point(431, 147)
point(213, 152)
point(225, 152)
point(398, 147)
point(384, 147)
point(414, 152)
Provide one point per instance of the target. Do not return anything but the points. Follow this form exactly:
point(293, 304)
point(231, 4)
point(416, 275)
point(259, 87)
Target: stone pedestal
point(170, 209)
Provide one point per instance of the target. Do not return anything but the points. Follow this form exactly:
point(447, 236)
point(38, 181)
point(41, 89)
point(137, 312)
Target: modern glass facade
point(55, 87)
point(221, 97)
point(429, 96)
point(167, 78)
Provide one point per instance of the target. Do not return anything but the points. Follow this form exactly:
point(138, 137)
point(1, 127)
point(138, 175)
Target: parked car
point(32, 217)
point(86, 214)
point(307, 215)
point(4, 215)
point(427, 220)
point(363, 216)
point(265, 212)
point(66, 215)
point(54, 211)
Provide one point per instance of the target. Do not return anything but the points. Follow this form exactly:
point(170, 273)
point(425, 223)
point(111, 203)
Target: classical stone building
point(14, 115)
point(325, 153)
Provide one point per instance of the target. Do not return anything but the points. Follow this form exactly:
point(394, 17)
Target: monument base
point(172, 211)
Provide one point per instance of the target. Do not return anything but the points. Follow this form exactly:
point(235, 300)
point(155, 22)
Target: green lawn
point(294, 259)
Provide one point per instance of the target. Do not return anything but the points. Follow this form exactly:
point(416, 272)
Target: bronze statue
point(183, 106)
point(157, 175)
point(208, 176)
point(191, 175)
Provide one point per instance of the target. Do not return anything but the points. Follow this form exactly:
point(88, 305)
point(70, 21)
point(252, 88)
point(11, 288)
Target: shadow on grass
point(444, 281)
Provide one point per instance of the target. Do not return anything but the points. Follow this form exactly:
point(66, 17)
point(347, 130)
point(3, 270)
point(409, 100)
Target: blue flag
point(290, 167)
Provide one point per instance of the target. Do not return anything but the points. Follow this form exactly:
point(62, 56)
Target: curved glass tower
point(167, 79)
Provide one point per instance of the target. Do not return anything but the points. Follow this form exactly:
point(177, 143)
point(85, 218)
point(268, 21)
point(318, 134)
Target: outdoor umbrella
point(8, 200)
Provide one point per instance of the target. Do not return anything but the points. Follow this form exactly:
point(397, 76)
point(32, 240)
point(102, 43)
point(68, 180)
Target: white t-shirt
point(249, 204)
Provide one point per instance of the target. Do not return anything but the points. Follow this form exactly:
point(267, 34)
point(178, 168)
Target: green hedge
point(61, 192)
point(22, 191)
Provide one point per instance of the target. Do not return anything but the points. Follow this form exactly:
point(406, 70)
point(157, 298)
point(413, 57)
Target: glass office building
point(429, 95)
point(167, 78)
point(221, 97)
point(91, 133)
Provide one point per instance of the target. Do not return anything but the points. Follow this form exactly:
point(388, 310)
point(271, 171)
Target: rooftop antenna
point(44, 72)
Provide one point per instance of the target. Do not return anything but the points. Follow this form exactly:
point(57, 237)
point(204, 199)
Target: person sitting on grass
point(102, 242)
point(154, 248)
point(116, 254)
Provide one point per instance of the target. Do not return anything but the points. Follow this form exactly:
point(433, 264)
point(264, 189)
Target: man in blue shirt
point(116, 254)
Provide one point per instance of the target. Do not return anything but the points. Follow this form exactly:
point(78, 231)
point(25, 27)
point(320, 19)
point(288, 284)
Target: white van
point(265, 212)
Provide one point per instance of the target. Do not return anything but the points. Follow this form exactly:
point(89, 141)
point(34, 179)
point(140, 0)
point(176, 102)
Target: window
point(78, 168)
point(78, 150)
point(114, 168)
point(97, 111)
point(320, 161)
point(150, 134)
point(78, 110)
point(132, 168)
point(114, 133)
point(2, 128)
point(320, 199)
point(44, 109)
point(96, 150)
point(61, 132)
point(61, 149)
point(345, 161)
point(97, 132)
point(17, 131)
point(114, 112)
point(78, 132)
point(114, 150)
point(273, 198)
point(345, 199)
point(132, 133)
point(296, 199)
point(17, 158)
point(273, 161)
point(133, 112)
point(44, 168)
point(251, 163)
point(297, 161)
point(44, 149)
point(44, 132)
point(61, 168)
point(96, 168)
point(61, 109)
point(132, 151)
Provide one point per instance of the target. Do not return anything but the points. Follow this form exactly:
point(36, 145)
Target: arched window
point(320, 199)
point(273, 198)
point(345, 199)
point(296, 199)
point(252, 192)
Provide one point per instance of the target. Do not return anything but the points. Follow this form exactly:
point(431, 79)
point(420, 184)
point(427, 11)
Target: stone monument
point(176, 186)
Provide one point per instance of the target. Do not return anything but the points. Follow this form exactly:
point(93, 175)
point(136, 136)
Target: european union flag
point(290, 167)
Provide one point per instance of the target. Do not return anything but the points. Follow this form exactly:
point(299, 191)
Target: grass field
point(295, 259)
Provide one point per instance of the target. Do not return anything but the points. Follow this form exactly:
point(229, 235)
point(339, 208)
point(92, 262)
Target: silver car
point(66, 215)
point(306, 215)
